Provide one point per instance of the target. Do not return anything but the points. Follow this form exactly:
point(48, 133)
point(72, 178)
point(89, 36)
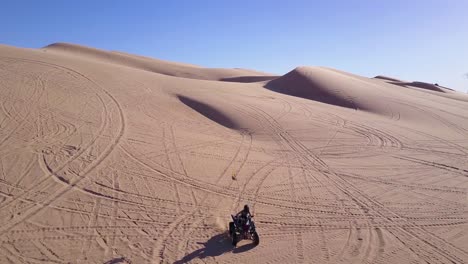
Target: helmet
point(246, 208)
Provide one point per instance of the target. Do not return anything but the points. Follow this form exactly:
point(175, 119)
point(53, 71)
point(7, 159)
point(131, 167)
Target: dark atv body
point(243, 229)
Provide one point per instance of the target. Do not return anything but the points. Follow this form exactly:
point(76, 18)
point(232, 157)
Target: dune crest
point(111, 56)
point(149, 64)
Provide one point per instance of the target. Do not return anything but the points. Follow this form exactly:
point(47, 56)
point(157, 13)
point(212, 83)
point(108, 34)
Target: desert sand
point(107, 157)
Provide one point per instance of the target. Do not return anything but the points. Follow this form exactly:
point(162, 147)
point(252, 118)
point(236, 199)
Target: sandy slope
point(107, 157)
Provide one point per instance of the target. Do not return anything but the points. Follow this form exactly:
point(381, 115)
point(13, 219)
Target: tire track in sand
point(36, 208)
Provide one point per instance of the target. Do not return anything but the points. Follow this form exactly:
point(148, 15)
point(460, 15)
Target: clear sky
point(422, 40)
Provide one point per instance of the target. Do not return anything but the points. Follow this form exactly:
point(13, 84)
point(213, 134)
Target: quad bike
point(243, 229)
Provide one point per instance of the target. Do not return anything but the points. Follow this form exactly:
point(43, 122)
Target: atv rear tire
point(232, 228)
point(234, 238)
point(255, 238)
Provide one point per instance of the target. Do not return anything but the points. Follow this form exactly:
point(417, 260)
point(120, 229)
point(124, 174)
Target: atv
point(243, 229)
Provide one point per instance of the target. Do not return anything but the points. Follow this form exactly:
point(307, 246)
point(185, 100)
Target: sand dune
point(317, 84)
point(147, 64)
point(336, 88)
point(107, 157)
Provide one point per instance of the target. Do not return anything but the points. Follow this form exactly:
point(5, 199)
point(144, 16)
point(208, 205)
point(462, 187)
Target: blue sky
point(410, 40)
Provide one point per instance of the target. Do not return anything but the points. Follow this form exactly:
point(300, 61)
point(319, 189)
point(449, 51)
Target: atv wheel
point(231, 228)
point(255, 238)
point(234, 238)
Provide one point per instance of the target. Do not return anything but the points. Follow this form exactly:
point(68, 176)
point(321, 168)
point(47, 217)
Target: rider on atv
point(243, 227)
point(243, 215)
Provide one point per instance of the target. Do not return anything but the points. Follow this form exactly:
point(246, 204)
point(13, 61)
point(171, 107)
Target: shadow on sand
point(117, 261)
point(243, 248)
point(215, 246)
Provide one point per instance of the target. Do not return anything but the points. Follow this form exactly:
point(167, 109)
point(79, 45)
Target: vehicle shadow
point(215, 246)
point(244, 248)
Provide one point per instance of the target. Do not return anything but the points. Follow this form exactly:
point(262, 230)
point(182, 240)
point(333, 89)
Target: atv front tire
point(255, 238)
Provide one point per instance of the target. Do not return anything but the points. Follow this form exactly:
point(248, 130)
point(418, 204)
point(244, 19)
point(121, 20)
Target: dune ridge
point(149, 64)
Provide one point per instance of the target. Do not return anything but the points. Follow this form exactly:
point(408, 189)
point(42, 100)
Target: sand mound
point(148, 64)
point(314, 83)
point(333, 87)
point(338, 88)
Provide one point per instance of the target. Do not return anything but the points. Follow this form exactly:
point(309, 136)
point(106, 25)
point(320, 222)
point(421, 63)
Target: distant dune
point(108, 157)
point(333, 87)
point(147, 64)
point(422, 85)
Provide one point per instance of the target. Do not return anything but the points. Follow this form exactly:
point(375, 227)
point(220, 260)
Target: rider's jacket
point(243, 216)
